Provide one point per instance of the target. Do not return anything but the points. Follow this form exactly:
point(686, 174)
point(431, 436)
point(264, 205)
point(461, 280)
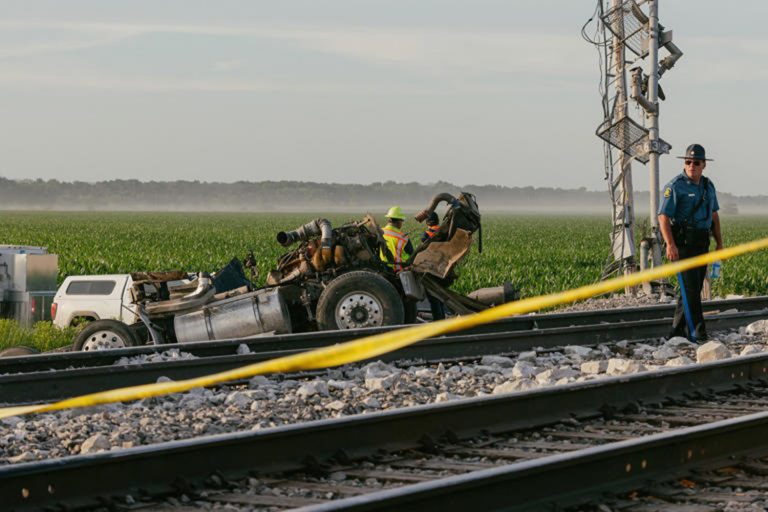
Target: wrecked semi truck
point(333, 278)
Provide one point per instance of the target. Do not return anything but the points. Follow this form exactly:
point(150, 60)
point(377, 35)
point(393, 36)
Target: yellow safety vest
point(396, 242)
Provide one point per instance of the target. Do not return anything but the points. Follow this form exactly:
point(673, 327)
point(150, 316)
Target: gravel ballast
point(269, 401)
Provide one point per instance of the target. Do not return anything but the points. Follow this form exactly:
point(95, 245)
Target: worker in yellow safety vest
point(398, 244)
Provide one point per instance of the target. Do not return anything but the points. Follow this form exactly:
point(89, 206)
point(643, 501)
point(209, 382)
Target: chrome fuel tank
point(236, 317)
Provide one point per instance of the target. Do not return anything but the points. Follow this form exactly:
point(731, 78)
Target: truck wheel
point(103, 335)
point(359, 299)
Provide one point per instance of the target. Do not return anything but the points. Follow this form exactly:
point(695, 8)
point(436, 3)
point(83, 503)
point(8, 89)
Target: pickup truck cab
point(107, 307)
point(89, 298)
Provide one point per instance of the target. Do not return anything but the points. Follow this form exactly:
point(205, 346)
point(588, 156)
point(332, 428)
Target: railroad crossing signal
point(628, 38)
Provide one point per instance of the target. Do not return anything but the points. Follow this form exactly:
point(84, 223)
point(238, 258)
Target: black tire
point(104, 335)
point(21, 350)
point(372, 301)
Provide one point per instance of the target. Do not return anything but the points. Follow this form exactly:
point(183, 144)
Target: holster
point(689, 236)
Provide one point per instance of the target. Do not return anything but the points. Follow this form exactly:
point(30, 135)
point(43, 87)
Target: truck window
point(90, 287)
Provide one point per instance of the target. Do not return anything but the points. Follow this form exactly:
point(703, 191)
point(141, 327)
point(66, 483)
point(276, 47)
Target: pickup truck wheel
point(104, 335)
point(359, 299)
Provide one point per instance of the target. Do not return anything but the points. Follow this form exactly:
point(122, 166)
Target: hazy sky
point(472, 91)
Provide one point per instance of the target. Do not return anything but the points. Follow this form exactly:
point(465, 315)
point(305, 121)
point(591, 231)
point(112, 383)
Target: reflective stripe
point(396, 243)
point(394, 234)
point(399, 254)
point(432, 231)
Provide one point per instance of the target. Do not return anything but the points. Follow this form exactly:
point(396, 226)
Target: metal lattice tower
point(629, 29)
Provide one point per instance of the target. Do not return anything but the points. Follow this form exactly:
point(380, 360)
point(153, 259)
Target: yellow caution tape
point(379, 344)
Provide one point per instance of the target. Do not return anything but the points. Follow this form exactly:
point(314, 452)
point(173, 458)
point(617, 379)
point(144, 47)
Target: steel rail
point(557, 481)
point(35, 387)
point(165, 467)
point(62, 360)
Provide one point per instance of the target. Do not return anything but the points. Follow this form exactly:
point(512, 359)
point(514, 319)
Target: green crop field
point(538, 254)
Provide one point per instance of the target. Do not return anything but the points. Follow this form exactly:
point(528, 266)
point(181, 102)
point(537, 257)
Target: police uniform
point(690, 207)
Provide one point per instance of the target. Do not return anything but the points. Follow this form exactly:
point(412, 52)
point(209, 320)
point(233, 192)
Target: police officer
point(398, 244)
point(687, 217)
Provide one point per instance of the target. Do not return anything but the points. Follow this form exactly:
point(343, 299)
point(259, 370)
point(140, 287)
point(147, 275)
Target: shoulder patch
point(667, 192)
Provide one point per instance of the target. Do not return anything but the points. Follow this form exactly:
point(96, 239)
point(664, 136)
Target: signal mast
point(630, 28)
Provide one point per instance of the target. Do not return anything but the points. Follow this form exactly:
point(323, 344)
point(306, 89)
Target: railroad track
point(414, 479)
point(741, 483)
point(559, 446)
point(304, 341)
point(35, 382)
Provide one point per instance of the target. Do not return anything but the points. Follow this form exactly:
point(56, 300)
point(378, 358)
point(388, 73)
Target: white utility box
point(28, 277)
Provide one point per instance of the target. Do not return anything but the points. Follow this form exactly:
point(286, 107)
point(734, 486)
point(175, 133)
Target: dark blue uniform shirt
point(681, 195)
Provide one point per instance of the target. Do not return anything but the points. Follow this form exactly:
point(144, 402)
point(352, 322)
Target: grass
point(538, 254)
point(42, 336)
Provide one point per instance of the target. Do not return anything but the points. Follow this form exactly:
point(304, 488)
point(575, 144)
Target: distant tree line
point(306, 196)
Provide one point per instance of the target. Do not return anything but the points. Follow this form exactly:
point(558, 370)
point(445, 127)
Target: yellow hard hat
point(395, 213)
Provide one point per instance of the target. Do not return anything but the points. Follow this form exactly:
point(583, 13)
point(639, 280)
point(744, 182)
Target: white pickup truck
point(108, 305)
point(88, 298)
point(104, 302)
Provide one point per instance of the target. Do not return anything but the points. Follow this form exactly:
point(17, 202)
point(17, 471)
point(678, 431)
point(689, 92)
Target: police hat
point(695, 152)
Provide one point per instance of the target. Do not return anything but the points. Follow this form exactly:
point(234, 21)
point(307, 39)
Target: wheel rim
point(359, 309)
point(104, 340)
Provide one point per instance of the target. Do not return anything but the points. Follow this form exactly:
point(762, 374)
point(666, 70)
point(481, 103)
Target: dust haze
point(295, 196)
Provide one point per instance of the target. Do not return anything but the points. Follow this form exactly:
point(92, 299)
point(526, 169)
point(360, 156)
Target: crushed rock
point(680, 361)
point(616, 301)
point(618, 366)
point(276, 400)
point(712, 351)
point(173, 354)
point(594, 367)
point(95, 443)
point(751, 349)
point(759, 327)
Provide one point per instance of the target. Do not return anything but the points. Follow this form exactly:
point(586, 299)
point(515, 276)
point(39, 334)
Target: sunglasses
point(695, 163)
